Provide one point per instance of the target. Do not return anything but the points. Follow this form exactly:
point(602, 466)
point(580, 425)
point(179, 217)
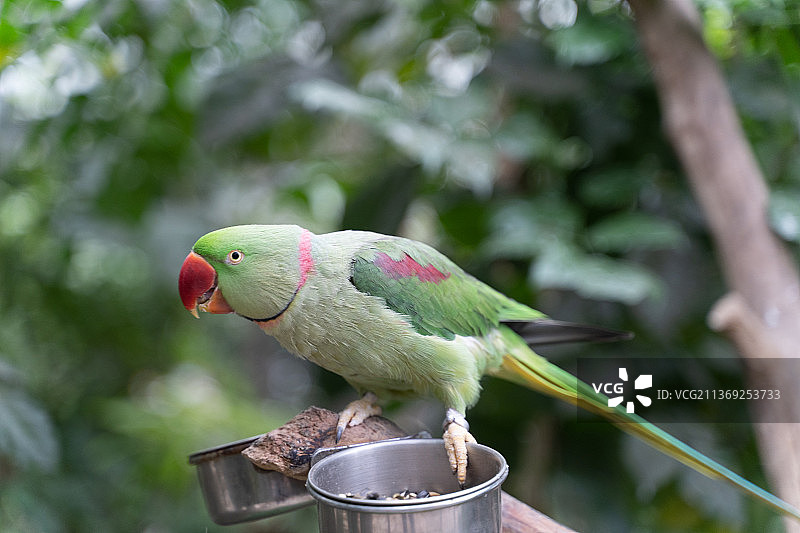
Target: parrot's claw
point(356, 412)
point(456, 436)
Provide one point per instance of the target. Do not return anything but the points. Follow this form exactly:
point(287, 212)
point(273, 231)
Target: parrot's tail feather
point(545, 331)
point(535, 372)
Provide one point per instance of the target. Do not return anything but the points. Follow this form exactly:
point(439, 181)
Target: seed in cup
point(405, 494)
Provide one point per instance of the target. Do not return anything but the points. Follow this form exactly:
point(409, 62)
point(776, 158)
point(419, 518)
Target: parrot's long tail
point(525, 367)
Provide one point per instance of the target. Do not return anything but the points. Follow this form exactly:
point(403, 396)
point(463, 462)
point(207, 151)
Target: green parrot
point(394, 317)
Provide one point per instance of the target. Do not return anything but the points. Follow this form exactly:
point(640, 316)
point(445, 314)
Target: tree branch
point(702, 124)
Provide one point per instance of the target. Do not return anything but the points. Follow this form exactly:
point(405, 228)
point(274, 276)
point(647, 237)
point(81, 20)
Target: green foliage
point(634, 231)
point(28, 439)
point(521, 138)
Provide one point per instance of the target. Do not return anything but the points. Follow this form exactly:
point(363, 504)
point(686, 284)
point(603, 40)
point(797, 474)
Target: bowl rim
point(230, 448)
point(443, 500)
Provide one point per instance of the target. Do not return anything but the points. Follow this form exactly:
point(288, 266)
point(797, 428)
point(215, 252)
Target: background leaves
point(521, 138)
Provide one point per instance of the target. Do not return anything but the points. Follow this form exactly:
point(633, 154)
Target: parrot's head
point(253, 271)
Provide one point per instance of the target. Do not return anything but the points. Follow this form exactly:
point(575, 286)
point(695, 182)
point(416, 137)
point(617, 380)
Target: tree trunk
point(762, 313)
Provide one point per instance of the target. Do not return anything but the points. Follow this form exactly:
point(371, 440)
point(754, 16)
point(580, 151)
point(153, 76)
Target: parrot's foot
point(456, 436)
point(356, 412)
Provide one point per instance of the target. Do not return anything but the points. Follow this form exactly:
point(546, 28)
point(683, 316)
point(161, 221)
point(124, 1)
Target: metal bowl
point(236, 491)
point(390, 467)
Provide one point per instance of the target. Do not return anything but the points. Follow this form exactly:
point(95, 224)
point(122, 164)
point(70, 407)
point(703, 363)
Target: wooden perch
point(288, 449)
point(521, 518)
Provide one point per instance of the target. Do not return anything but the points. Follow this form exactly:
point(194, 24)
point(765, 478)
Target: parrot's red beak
point(197, 285)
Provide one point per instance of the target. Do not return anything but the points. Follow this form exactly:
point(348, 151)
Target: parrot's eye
point(235, 257)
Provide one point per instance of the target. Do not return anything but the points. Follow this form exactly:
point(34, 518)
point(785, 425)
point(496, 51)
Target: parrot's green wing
point(437, 296)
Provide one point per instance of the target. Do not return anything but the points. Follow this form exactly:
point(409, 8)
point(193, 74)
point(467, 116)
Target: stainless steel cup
point(237, 491)
point(390, 467)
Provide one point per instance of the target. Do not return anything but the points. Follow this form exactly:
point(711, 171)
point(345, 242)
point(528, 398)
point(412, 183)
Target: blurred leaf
point(611, 188)
point(522, 229)
point(320, 94)
point(525, 136)
point(23, 509)
point(593, 276)
point(435, 147)
point(27, 436)
point(634, 231)
point(557, 14)
point(589, 42)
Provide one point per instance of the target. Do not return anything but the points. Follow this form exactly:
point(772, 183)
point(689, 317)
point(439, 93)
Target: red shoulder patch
point(407, 267)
